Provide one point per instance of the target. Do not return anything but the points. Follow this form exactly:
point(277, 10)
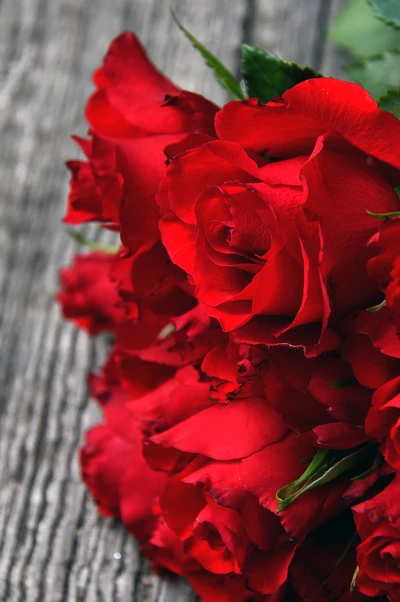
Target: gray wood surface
point(53, 545)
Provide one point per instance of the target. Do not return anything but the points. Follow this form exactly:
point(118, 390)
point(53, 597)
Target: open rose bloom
point(251, 400)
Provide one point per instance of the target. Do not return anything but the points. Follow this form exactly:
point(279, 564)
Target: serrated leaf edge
point(278, 56)
point(387, 97)
point(233, 89)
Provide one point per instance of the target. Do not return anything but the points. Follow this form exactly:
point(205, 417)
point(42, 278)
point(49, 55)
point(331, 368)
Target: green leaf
point(92, 244)
point(358, 31)
point(268, 75)
point(388, 11)
point(222, 74)
point(326, 466)
point(391, 102)
point(377, 74)
point(376, 308)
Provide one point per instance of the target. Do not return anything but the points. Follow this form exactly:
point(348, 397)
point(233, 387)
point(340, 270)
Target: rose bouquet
point(251, 400)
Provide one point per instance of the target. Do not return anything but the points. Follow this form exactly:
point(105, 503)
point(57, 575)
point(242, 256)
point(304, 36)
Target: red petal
point(290, 127)
point(226, 432)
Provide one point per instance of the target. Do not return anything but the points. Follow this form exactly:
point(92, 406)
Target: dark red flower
point(378, 555)
point(88, 297)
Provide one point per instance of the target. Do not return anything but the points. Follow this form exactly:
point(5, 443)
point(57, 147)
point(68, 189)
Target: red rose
point(134, 114)
point(88, 297)
point(241, 539)
point(378, 555)
point(274, 248)
point(383, 421)
point(85, 196)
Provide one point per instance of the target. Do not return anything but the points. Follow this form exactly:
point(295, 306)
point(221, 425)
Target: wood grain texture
point(297, 30)
point(53, 545)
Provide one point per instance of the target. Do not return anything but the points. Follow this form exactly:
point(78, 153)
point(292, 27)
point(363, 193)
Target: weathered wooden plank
point(297, 30)
point(53, 545)
point(333, 58)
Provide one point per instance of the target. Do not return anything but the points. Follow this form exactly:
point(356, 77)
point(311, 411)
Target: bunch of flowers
point(251, 401)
